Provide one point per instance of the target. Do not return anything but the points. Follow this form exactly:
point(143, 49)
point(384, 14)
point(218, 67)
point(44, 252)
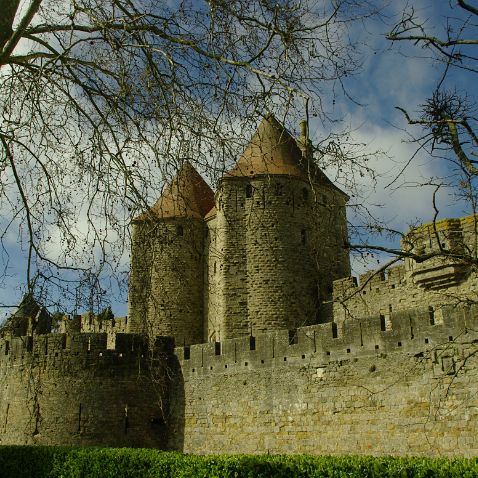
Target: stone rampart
point(60, 389)
point(408, 387)
point(379, 294)
point(406, 331)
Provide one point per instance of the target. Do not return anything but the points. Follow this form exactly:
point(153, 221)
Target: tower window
point(249, 191)
point(303, 236)
point(180, 230)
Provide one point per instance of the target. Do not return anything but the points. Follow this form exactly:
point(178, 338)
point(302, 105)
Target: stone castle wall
point(380, 294)
point(167, 279)
point(410, 389)
point(273, 250)
point(59, 389)
point(448, 275)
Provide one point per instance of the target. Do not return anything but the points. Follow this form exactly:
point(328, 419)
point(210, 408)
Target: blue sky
point(392, 75)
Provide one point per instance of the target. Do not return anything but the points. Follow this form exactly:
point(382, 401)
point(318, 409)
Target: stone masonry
point(277, 348)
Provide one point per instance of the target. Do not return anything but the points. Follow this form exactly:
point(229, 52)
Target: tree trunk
point(8, 9)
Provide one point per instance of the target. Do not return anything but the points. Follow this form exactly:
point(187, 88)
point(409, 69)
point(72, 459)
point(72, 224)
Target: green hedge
point(61, 462)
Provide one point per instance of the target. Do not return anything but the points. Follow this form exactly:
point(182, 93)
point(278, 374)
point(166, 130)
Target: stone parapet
point(409, 331)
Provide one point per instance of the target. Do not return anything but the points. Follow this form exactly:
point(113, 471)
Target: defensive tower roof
point(274, 151)
point(28, 308)
point(187, 195)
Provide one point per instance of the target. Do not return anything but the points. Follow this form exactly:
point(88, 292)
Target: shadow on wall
point(175, 419)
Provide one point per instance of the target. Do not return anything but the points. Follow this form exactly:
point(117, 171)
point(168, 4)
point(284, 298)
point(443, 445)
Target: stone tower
point(166, 291)
point(276, 239)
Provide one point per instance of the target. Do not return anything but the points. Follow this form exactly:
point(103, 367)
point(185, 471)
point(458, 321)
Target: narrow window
point(180, 230)
point(249, 191)
point(431, 314)
point(303, 236)
point(252, 343)
point(334, 330)
point(293, 337)
point(79, 418)
point(126, 422)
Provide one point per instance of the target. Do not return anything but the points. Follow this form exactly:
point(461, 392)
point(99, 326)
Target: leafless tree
point(448, 116)
point(101, 101)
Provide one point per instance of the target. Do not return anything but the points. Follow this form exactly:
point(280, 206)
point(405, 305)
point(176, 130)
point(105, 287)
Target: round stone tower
point(280, 230)
point(166, 290)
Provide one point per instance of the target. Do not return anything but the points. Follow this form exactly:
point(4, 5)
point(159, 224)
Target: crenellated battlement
point(410, 331)
point(79, 346)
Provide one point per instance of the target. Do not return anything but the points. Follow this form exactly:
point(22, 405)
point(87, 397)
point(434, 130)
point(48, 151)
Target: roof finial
point(304, 141)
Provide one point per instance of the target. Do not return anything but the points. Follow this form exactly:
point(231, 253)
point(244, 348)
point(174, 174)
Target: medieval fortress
point(246, 333)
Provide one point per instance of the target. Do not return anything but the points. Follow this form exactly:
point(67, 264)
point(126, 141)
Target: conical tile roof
point(274, 151)
point(28, 307)
point(187, 195)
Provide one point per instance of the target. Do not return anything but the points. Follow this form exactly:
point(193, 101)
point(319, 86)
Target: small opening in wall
point(180, 230)
point(245, 364)
point(293, 337)
point(217, 348)
point(193, 369)
point(210, 368)
point(187, 353)
point(399, 344)
point(377, 347)
point(225, 366)
point(393, 286)
point(431, 315)
point(157, 421)
point(327, 353)
point(426, 341)
point(364, 292)
point(285, 359)
point(7, 347)
point(303, 236)
point(382, 323)
point(450, 338)
point(348, 351)
point(252, 343)
point(262, 361)
point(303, 356)
point(249, 190)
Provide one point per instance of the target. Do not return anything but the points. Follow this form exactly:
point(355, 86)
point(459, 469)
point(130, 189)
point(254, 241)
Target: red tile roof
point(187, 195)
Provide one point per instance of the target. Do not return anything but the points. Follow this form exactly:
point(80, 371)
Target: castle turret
point(276, 239)
point(444, 252)
point(166, 294)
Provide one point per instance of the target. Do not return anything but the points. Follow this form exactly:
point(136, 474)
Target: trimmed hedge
point(63, 462)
